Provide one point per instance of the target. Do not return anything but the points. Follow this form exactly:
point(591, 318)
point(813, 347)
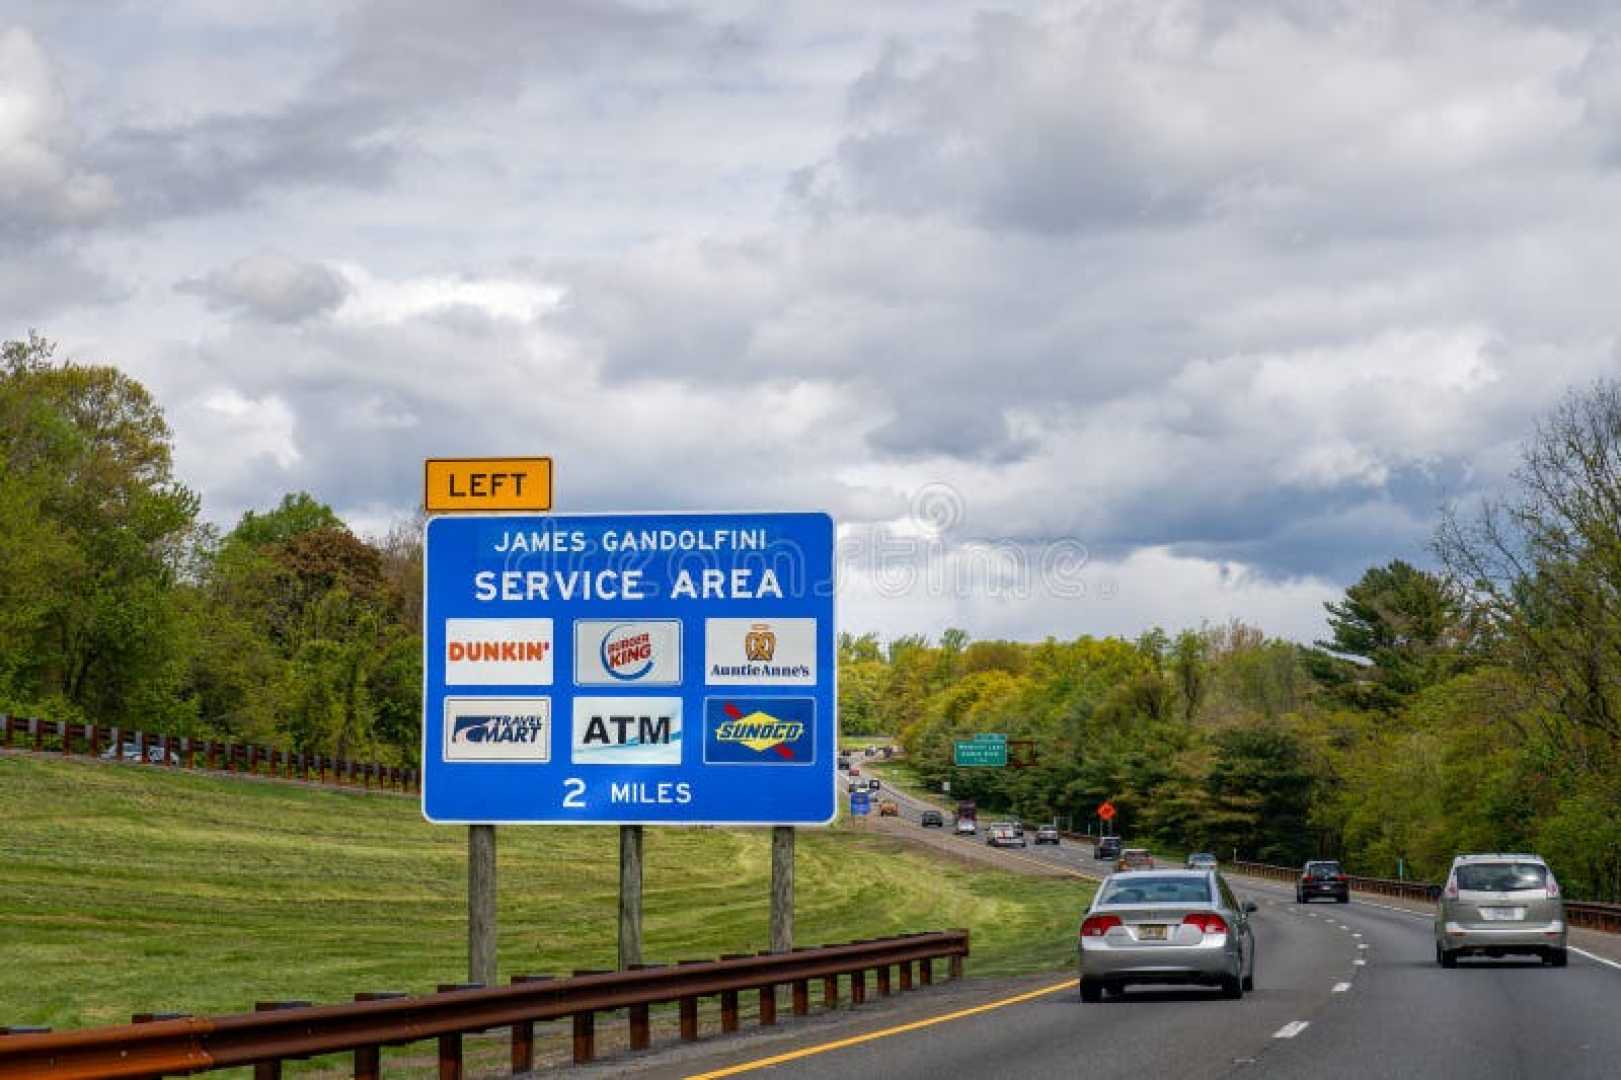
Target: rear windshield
point(1501, 877)
point(1323, 869)
point(1147, 889)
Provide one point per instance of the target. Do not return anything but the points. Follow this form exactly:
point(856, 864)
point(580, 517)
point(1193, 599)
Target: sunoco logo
point(770, 731)
point(498, 729)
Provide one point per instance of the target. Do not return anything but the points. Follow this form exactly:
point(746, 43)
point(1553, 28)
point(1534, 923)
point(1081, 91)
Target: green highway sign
point(979, 753)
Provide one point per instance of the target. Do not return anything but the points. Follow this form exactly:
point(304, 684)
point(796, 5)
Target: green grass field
point(130, 889)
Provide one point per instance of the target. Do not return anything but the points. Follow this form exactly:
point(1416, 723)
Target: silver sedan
point(1166, 926)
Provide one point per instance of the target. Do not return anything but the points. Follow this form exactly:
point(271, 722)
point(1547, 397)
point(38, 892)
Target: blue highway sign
point(629, 669)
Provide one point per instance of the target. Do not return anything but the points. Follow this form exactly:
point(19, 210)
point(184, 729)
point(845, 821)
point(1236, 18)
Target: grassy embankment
point(127, 888)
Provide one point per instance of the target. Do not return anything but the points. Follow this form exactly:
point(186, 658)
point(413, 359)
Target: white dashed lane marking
point(1291, 1029)
point(1340, 988)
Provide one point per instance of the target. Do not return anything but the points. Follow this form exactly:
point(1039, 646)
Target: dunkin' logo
point(498, 652)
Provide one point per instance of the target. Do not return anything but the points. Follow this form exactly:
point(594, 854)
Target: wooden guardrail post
point(858, 987)
point(523, 1032)
point(585, 1026)
point(801, 997)
point(641, 1029)
point(66, 735)
point(369, 1059)
point(906, 976)
point(36, 728)
point(688, 1007)
point(450, 1044)
point(271, 1070)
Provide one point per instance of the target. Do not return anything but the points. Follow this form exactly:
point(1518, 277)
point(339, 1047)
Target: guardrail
point(277, 1032)
point(1589, 914)
point(145, 748)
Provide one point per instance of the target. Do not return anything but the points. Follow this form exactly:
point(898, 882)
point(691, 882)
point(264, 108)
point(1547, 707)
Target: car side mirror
point(1250, 908)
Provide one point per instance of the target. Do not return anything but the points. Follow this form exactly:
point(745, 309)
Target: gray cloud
point(270, 286)
point(1235, 294)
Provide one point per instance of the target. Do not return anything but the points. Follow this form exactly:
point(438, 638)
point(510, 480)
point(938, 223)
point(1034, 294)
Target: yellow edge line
point(856, 1040)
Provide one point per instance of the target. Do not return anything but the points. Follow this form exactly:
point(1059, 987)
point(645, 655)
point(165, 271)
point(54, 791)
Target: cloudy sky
point(1080, 316)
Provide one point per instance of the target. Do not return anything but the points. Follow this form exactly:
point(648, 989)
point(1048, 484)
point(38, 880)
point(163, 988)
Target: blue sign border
point(731, 793)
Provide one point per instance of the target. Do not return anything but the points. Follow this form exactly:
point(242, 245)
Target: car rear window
point(1147, 889)
point(1501, 877)
point(1323, 869)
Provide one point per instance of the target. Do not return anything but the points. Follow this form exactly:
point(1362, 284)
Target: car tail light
point(1305, 879)
point(1341, 877)
point(1451, 891)
point(1098, 925)
point(1208, 922)
point(1553, 888)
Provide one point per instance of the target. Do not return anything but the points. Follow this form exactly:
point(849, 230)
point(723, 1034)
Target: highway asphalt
point(1342, 990)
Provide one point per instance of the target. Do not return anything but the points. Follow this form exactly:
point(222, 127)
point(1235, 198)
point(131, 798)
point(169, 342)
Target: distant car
point(1171, 926)
point(1047, 834)
point(1106, 847)
point(1322, 877)
point(855, 770)
point(870, 751)
point(1134, 858)
point(965, 827)
point(873, 784)
point(888, 809)
point(1494, 905)
point(1202, 860)
point(844, 761)
point(932, 819)
point(1003, 836)
point(1018, 827)
point(130, 752)
point(855, 786)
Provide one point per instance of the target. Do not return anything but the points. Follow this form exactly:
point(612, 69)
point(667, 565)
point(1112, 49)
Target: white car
point(966, 826)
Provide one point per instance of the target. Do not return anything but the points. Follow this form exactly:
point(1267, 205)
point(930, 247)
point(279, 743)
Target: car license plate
point(1150, 932)
point(1502, 914)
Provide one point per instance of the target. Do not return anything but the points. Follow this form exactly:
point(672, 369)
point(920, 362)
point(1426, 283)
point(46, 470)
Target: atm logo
point(498, 729)
point(759, 731)
point(627, 731)
point(498, 652)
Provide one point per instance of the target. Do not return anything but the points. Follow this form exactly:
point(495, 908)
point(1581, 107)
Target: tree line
point(119, 605)
point(1472, 706)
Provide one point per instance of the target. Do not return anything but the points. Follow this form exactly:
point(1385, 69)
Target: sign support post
point(630, 896)
point(782, 888)
point(481, 904)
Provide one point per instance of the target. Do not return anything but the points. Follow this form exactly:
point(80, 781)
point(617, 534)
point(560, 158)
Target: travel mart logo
point(613, 653)
point(498, 652)
point(759, 731)
point(498, 729)
point(760, 652)
point(627, 731)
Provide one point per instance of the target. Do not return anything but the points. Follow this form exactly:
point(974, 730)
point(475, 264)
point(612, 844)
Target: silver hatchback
point(1500, 904)
point(1166, 926)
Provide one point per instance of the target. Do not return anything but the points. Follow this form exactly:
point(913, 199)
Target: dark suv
point(1107, 847)
point(1322, 877)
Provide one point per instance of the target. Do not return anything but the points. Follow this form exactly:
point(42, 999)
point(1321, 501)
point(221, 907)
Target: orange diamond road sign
point(1106, 811)
point(488, 484)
